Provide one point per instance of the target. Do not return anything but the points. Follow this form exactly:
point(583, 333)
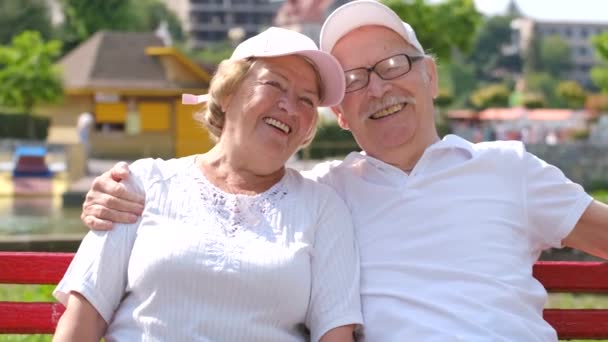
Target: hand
point(108, 201)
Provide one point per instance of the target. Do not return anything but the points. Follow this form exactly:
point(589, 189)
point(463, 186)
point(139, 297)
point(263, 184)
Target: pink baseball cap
point(360, 13)
point(277, 42)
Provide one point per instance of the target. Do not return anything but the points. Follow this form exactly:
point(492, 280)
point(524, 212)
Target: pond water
point(38, 217)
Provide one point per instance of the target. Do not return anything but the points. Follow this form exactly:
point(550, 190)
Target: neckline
point(198, 174)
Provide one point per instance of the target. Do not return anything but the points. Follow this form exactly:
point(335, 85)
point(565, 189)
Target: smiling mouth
point(281, 126)
point(388, 111)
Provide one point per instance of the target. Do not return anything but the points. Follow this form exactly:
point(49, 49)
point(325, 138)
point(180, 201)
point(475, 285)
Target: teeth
point(278, 124)
point(388, 111)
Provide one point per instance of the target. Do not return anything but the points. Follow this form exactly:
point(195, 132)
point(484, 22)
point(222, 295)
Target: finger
point(110, 202)
point(123, 193)
point(120, 204)
point(103, 213)
point(120, 171)
point(97, 224)
point(105, 185)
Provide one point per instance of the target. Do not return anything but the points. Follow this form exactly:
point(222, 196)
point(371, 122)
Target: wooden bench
point(48, 268)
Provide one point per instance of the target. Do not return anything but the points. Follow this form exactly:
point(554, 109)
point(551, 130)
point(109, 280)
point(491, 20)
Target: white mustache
point(387, 101)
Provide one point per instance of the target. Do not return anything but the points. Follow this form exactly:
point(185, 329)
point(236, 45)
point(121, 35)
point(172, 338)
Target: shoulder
point(314, 193)
point(308, 183)
point(160, 167)
point(501, 150)
point(151, 170)
point(322, 170)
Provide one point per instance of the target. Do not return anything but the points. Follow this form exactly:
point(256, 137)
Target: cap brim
point(330, 71)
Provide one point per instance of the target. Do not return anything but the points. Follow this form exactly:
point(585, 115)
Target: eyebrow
point(311, 92)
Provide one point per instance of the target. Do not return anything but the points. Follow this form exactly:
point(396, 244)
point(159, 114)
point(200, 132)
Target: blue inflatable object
point(30, 162)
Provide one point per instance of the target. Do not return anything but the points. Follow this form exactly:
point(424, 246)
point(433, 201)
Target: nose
point(376, 86)
point(287, 103)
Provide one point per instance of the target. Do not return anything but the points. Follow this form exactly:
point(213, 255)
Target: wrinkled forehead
point(293, 68)
point(372, 43)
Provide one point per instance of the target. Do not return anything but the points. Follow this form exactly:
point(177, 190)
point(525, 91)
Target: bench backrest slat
point(48, 268)
point(571, 276)
point(578, 323)
point(32, 267)
point(29, 318)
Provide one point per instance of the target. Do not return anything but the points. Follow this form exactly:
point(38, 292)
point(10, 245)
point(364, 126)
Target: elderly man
point(448, 230)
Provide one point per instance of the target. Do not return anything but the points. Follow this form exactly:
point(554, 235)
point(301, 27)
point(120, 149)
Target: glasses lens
point(356, 79)
point(393, 67)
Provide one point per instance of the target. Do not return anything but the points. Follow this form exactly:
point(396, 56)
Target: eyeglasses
point(387, 69)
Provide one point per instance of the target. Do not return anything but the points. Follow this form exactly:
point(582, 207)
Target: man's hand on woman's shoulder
point(108, 201)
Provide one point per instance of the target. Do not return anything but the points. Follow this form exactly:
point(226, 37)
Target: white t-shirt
point(204, 265)
point(447, 251)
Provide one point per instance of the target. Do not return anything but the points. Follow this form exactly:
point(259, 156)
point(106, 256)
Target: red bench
point(48, 268)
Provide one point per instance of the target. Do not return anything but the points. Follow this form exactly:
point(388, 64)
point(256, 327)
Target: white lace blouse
point(205, 265)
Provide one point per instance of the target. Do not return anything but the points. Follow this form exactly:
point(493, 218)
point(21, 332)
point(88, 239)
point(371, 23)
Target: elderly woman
point(232, 246)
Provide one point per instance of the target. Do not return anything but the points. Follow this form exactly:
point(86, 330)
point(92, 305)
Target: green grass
point(600, 195)
point(42, 293)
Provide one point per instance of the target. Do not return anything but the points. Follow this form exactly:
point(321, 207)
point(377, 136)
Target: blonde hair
point(227, 78)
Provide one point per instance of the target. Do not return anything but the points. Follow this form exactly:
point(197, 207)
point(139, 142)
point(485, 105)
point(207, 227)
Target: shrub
point(23, 126)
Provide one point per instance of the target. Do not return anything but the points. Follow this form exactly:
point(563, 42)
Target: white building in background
point(577, 35)
point(566, 22)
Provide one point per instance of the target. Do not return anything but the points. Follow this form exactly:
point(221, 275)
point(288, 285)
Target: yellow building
point(132, 84)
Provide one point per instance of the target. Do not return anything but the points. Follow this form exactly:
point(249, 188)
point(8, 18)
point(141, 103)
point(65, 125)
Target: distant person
point(84, 126)
point(233, 246)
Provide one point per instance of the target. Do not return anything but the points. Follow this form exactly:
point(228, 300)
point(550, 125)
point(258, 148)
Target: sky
point(570, 10)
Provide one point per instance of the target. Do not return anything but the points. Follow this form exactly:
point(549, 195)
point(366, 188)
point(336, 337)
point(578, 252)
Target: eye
point(308, 101)
point(274, 84)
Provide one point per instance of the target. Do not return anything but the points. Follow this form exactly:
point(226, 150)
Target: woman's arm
point(339, 334)
point(80, 321)
point(335, 303)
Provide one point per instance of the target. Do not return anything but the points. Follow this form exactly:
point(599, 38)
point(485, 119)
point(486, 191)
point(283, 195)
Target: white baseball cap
point(360, 13)
point(277, 42)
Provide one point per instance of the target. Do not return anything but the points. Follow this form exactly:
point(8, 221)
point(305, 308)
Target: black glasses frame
point(410, 59)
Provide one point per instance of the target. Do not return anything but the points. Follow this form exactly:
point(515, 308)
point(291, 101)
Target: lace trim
point(236, 212)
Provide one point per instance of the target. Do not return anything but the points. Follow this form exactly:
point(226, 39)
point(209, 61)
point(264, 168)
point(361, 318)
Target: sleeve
point(554, 204)
point(335, 296)
point(321, 171)
point(99, 269)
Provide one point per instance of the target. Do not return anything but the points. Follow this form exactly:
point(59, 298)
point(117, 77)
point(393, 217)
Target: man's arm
point(591, 231)
point(80, 321)
point(108, 201)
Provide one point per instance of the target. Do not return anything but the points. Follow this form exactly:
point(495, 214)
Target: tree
point(531, 56)
point(214, 53)
point(85, 17)
point(29, 76)
point(597, 103)
point(599, 74)
point(571, 94)
point(490, 50)
point(534, 100)
point(441, 27)
point(555, 56)
point(495, 95)
point(19, 16)
point(152, 12)
point(544, 84)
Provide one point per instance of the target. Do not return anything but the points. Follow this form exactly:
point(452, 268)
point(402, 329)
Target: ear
point(337, 110)
point(429, 75)
point(225, 102)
